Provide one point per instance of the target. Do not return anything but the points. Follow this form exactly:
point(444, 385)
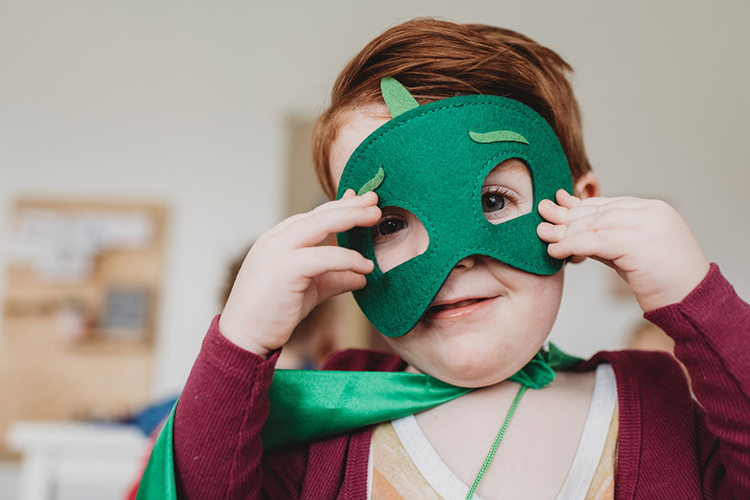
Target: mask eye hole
point(507, 192)
point(398, 236)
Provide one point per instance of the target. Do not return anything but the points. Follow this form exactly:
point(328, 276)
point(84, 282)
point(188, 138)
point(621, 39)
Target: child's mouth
point(457, 309)
point(455, 305)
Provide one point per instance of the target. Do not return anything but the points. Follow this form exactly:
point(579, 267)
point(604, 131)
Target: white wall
point(185, 102)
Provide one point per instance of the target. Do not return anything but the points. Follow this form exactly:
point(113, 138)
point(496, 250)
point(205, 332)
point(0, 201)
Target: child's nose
point(467, 262)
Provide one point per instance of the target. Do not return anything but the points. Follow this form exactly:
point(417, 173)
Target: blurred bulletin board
point(82, 287)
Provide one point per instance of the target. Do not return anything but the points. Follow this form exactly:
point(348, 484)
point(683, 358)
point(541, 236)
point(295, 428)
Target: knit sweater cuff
point(702, 304)
point(219, 417)
point(233, 360)
point(711, 321)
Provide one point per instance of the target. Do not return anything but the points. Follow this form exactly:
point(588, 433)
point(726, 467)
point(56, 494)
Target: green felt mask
point(432, 161)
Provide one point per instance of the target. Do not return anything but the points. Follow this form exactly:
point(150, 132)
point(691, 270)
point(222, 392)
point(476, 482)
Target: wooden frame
point(47, 376)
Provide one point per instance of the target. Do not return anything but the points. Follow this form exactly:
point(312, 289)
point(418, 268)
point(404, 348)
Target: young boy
point(621, 425)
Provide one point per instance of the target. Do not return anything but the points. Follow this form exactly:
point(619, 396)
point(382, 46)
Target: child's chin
point(472, 374)
point(468, 357)
point(474, 365)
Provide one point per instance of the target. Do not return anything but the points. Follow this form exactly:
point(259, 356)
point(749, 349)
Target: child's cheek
point(492, 347)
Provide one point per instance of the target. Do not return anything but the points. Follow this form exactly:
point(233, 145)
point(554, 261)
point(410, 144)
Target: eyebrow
point(497, 136)
point(373, 183)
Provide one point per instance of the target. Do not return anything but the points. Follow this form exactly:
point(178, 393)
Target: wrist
point(241, 340)
point(677, 290)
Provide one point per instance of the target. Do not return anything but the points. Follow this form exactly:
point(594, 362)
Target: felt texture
point(373, 183)
point(497, 136)
point(436, 170)
point(396, 97)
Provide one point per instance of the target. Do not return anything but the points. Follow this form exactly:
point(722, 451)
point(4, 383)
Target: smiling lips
point(461, 303)
point(458, 309)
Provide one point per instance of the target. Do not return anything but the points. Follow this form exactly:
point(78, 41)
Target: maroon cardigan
point(669, 446)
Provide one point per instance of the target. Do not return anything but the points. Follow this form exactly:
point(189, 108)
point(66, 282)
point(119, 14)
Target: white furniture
point(76, 460)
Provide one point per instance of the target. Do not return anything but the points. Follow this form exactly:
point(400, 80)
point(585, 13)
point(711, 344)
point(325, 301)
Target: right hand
point(286, 274)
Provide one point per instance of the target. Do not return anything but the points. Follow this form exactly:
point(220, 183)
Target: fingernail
point(547, 204)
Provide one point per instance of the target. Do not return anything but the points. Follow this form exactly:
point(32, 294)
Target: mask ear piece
point(396, 97)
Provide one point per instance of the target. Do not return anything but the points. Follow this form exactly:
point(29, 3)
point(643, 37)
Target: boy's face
point(489, 318)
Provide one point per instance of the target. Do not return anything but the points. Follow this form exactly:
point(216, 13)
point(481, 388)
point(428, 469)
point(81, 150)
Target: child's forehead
point(356, 126)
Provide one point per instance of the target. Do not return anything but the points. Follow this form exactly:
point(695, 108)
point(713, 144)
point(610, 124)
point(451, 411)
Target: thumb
point(336, 283)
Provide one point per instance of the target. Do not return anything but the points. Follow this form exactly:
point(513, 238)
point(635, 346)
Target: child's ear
point(587, 186)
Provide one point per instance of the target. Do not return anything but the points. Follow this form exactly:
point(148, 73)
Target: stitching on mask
point(524, 112)
point(515, 153)
point(425, 220)
point(467, 252)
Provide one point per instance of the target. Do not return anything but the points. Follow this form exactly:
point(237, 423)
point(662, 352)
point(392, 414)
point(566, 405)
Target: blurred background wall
point(188, 104)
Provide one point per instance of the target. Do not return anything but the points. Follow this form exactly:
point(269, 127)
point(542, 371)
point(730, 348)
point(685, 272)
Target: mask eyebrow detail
point(397, 99)
point(497, 136)
point(373, 183)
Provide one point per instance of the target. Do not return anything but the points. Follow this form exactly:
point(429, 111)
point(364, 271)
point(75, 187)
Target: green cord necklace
point(496, 443)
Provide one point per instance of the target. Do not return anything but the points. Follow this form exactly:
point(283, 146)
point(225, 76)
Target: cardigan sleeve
point(218, 451)
point(711, 330)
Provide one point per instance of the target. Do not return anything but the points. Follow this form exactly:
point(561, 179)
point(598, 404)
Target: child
point(464, 294)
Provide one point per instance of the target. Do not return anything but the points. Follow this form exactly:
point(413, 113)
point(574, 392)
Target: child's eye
point(398, 236)
point(507, 192)
point(492, 202)
point(499, 203)
point(387, 226)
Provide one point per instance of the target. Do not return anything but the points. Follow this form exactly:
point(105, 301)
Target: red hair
point(439, 59)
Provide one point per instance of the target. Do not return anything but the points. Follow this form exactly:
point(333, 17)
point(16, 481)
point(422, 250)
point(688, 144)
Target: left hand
point(646, 241)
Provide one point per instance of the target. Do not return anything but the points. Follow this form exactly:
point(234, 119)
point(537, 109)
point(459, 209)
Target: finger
point(331, 284)
point(608, 244)
point(574, 209)
point(348, 200)
point(613, 218)
point(566, 199)
point(368, 199)
point(558, 214)
point(569, 201)
point(606, 218)
point(317, 226)
point(316, 261)
point(550, 233)
point(285, 223)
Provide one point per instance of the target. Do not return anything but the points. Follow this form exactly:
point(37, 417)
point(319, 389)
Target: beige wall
point(186, 103)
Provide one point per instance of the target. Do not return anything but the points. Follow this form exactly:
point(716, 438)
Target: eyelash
point(378, 236)
point(506, 193)
point(511, 196)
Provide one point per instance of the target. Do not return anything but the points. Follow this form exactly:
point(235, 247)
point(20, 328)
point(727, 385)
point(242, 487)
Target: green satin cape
point(310, 405)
